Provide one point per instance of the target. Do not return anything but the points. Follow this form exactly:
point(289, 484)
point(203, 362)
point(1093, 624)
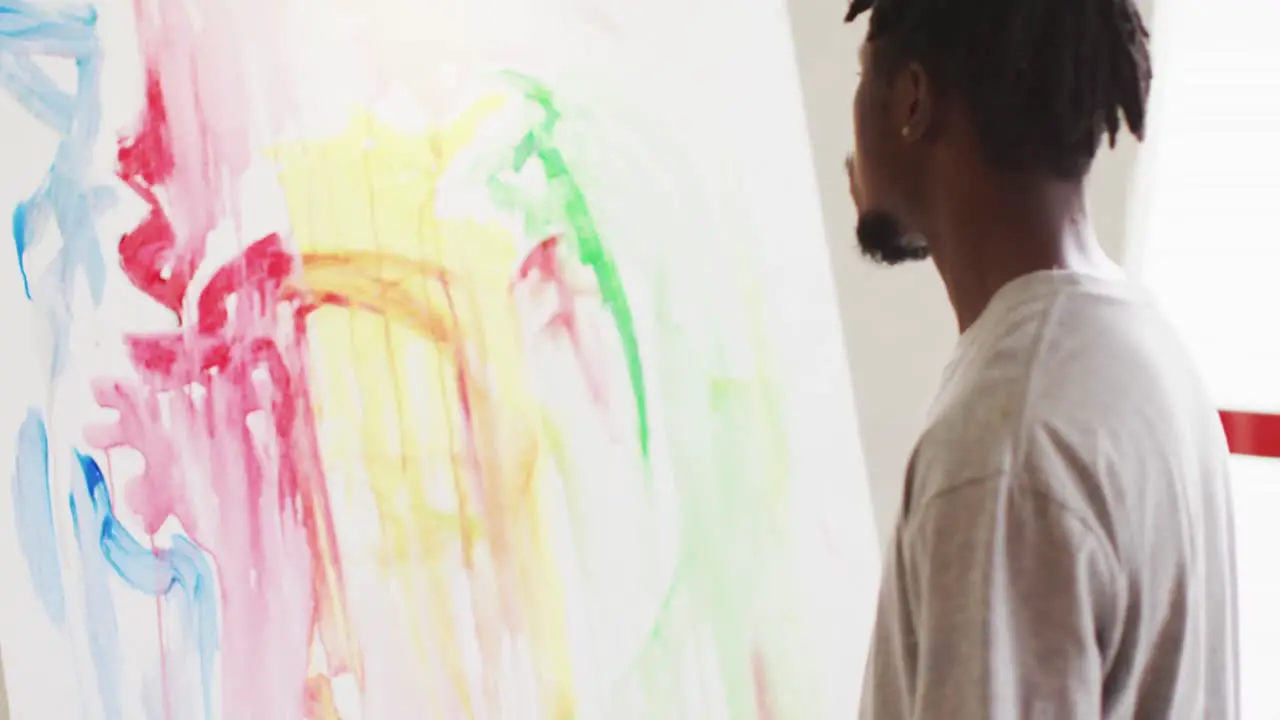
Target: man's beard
point(883, 240)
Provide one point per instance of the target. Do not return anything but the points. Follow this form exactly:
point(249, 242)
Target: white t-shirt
point(1066, 544)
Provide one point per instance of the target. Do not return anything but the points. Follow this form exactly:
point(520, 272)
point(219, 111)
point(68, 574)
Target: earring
point(906, 131)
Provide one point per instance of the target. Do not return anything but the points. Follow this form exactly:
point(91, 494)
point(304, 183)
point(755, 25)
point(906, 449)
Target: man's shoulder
point(1079, 436)
point(974, 435)
point(1088, 383)
point(1004, 446)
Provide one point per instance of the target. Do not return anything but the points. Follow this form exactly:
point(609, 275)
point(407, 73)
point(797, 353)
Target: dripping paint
point(387, 361)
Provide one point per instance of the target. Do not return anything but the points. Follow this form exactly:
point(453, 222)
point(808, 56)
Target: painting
point(397, 359)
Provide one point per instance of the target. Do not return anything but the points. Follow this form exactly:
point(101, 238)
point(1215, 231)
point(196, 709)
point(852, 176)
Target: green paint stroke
point(732, 591)
point(727, 441)
point(566, 203)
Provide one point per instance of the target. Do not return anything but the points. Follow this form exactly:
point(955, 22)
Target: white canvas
point(391, 359)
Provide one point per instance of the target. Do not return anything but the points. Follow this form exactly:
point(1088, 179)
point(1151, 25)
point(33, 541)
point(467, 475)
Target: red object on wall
point(1256, 434)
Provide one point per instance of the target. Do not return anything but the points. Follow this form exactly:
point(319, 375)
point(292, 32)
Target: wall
point(898, 325)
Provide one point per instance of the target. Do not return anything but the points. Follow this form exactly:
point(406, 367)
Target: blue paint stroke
point(64, 196)
point(64, 207)
point(182, 567)
point(47, 28)
point(104, 632)
point(32, 87)
point(33, 515)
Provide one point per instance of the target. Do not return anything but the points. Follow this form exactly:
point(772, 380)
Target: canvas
point(401, 359)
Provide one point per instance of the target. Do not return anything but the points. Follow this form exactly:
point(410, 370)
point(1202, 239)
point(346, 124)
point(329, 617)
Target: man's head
point(953, 91)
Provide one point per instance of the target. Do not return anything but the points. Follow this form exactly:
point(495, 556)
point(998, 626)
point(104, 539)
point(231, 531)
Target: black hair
point(1042, 80)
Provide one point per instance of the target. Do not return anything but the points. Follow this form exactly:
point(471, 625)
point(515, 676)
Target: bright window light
point(1209, 232)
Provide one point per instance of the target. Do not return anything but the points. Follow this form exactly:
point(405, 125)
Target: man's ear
point(913, 102)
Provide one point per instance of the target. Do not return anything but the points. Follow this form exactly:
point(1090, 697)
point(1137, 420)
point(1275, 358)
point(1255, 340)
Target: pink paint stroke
point(254, 499)
point(543, 264)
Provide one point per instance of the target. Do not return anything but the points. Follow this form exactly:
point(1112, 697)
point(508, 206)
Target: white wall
point(898, 325)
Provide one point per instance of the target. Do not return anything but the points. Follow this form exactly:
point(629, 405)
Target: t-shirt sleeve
point(1008, 594)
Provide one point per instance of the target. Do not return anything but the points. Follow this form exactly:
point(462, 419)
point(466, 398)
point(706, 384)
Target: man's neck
point(992, 238)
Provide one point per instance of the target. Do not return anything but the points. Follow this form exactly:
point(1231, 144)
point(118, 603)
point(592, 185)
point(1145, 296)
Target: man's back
point(1066, 547)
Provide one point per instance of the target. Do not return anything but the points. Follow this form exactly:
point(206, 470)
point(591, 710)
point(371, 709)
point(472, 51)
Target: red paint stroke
point(1248, 433)
point(543, 264)
point(260, 508)
point(319, 699)
point(255, 499)
point(257, 276)
point(149, 254)
point(258, 505)
point(760, 679)
point(197, 64)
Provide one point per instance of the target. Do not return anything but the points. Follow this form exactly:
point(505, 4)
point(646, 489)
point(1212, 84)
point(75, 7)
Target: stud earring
point(906, 131)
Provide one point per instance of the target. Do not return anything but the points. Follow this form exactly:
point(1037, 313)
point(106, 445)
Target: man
point(1065, 547)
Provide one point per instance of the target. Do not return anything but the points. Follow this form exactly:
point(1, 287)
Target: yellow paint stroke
point(416, 321)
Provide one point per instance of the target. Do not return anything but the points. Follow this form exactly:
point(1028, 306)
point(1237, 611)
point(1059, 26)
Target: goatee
point(883, 240)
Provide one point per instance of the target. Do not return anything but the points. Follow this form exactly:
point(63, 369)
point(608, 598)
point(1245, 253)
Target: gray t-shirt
point(1066, 546)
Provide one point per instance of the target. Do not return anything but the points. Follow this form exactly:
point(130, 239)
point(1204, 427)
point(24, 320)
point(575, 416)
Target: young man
point(1065, 547)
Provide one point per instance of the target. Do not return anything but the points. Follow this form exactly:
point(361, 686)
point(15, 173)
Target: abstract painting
point(400, 359)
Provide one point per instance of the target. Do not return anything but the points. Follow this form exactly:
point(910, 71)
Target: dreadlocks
point(1042, 80)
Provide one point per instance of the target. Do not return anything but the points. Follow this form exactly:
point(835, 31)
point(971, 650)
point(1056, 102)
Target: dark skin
point(919, 161)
